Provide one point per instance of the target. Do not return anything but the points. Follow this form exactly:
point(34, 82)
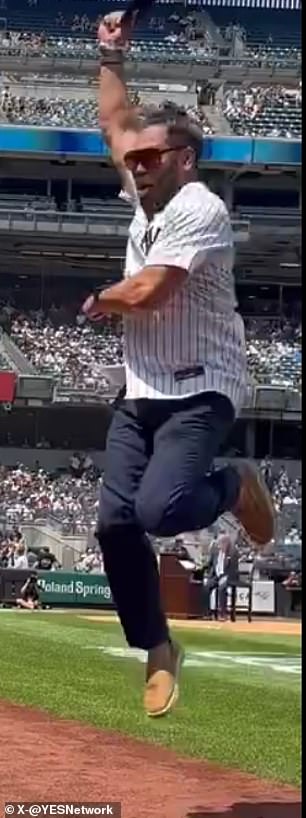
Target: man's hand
point(91, 308)
point(114, 31)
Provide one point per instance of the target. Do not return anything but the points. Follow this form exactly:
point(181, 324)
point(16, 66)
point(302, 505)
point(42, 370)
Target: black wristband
point(106, 63)
point(111, 56)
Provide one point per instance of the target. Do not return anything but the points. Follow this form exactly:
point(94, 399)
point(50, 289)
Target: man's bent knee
point(157, 518)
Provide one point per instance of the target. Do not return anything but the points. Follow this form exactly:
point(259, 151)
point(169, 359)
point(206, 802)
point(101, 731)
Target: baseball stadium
point(84, 639)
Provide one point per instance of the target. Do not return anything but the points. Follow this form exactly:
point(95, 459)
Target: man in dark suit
point(222, 571)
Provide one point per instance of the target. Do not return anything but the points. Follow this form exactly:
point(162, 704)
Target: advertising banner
point(77, 589)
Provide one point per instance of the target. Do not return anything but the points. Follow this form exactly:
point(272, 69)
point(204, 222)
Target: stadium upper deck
point(279, 26)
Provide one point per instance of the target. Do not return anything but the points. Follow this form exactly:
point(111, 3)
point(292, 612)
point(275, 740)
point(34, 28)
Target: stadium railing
point(149, 67)
point(111, 222)
point(37, 219)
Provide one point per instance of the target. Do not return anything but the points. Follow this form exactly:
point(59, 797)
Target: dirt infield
point(272, 626)
point(47, 759)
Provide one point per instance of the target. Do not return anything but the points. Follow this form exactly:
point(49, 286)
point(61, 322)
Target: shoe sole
point(175, 692)
point(255, 484)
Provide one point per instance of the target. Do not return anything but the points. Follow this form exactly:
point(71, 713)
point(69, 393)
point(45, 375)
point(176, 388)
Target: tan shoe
point(254, 508)
point(163, 669)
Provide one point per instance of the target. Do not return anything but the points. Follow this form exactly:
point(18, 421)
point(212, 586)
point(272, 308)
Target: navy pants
point(157, 481)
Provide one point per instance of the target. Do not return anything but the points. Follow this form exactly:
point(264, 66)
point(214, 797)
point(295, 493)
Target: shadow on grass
point(246, 810)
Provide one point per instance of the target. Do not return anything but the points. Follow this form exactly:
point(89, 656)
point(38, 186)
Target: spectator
point(45, 561)
point(76, 465)
point(20, 557)
point(222, 571)
point(32, 558)
point(29, 594)
point(294, 580)
point(91, 562)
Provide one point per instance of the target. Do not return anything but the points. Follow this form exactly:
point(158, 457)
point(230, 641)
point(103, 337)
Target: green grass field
point(240, 695)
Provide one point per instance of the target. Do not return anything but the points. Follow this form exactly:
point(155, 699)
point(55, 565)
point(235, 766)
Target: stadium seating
point(274, 351)
point(198, 52)
point(27, 43)
point(271, 111)
point(54, 112)
point(169, 32)
point(74, 354)
point(60, 19)
point(24, 202)
point(261, 27)
point(256, 111)
point(27, 495)
point(274, 356)
point(278, 31)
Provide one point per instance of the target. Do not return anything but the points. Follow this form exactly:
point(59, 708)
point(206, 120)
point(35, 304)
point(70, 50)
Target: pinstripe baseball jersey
point(195, 341)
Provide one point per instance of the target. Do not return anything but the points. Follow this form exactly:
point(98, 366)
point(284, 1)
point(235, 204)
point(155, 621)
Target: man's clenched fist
point(113, 31)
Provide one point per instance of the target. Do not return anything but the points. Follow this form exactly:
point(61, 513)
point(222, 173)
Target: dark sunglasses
point(149, 158)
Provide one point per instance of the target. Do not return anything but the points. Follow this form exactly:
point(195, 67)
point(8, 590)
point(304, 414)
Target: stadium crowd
point(71, 500)
point(15, 554)
point(264, 111)
point(76, 352)
point(254, 39)
point(243, 30)
point(255, 111)
point(63, 112)
point(174, 47)
point(274, 351)
point(27, 495)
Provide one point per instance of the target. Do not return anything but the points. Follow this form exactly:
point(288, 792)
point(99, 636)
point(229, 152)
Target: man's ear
point(189, 159)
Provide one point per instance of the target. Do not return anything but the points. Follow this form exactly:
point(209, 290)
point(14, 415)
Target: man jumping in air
point(185, 364)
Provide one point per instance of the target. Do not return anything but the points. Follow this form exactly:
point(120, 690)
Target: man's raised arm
point(118, 118)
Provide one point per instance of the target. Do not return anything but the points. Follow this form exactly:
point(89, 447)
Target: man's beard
point(167, 190)
point(157, 198)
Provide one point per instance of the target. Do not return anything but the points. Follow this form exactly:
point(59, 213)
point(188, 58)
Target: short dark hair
point(179, 124)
